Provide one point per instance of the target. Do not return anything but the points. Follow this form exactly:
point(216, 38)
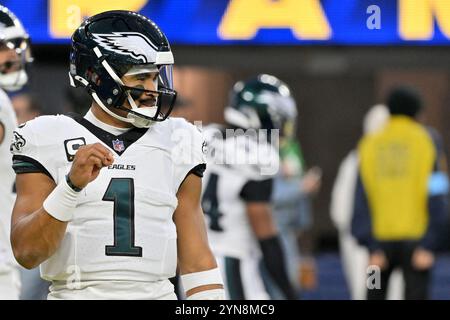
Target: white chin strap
point(135, 120)
point(139, 121)
point(145, 111)
point(13, 81)
point(131, 118)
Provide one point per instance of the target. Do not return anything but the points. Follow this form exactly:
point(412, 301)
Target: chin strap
point(13, 81)
point(132, 118)
point(108, 111)
point(139, 121)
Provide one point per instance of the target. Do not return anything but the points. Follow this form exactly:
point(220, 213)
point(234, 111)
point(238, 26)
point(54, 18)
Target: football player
point(14, 55)
point(109, 203)
point(238, 190)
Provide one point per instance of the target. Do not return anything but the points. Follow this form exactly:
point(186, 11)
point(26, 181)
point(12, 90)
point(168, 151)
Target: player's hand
point(422, 259)
point(312, 181)
point(87, 163)
point(378, 258)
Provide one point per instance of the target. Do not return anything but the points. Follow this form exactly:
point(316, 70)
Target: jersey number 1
point(121, 192)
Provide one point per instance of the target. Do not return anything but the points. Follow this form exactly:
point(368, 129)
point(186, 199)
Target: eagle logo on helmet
point(133, 44)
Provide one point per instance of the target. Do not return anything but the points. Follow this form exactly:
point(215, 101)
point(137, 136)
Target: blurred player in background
point(401, 197)
point(238, 187)
point(14, 55)
point(108, 204)
point(291, 199)
point(353, 256)
point(33, 286)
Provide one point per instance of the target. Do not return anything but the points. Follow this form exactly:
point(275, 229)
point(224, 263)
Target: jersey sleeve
point(189, 153)
point(257, 191)
point(31, 150)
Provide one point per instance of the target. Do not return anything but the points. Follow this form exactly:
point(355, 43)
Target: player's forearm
point(273, 257)
point(198, 263)
point(36, 237)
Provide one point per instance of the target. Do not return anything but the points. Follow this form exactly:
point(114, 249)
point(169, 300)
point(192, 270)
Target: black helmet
point(14, 37)
point(262, 102)
point(107, 46)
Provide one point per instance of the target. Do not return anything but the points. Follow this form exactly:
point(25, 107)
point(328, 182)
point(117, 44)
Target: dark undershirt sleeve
point(24, 164)
point(257, 191)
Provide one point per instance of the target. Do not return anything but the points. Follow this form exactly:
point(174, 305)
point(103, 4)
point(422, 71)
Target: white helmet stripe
point(239, 119)
point(13, 32)
point(164, 57)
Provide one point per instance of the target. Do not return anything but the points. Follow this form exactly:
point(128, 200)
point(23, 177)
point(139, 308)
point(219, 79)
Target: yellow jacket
point(395, 166)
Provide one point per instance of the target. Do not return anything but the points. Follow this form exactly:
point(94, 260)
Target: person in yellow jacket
point(401, 197)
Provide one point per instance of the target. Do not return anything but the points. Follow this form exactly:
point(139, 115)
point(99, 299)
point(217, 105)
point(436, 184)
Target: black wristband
point(71, 185)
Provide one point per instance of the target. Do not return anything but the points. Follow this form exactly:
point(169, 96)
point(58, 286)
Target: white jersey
point(9, 122)
point(236, 165)
point(122, 228)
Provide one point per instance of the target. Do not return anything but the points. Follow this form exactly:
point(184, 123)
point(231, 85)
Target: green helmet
point(262, 102)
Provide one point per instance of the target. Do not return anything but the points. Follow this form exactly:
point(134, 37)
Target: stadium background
point(335, 64)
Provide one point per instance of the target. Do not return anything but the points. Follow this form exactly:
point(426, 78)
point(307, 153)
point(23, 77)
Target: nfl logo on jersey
point(118, 145)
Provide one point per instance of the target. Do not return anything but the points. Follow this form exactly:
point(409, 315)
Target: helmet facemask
point(164, 96)
point(120, 95)
point(111, 44)
point(16, 79)
point(283, 112)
